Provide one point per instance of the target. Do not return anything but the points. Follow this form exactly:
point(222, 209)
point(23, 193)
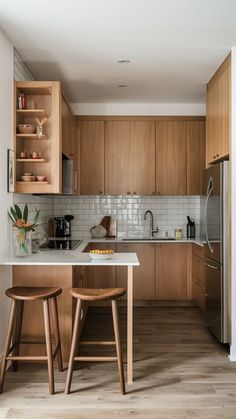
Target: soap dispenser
point(190, 228)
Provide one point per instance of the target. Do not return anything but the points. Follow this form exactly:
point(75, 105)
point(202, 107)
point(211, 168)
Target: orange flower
point(20, 223)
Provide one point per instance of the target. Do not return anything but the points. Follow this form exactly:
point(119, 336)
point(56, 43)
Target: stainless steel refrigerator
point(216, 231)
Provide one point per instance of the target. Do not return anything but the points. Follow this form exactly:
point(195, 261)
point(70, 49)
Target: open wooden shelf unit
point(46, 97)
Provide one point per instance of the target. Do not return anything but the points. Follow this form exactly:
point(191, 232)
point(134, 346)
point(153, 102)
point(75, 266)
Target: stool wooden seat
point(92, 294)
point(84, 295)
point(13, 341)
point(33, 293)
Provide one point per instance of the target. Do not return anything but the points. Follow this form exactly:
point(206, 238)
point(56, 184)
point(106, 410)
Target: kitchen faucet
point(152, 231)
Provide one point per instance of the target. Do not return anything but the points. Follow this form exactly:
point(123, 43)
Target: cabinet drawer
point(198, 250)
point(199, 293)
point(198, 268)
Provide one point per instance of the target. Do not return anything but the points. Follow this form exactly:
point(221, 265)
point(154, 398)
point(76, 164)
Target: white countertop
point(197, 241)
point(70, 257)
point(77, 257)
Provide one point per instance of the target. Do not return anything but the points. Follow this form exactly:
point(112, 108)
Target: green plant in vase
point(22, 229)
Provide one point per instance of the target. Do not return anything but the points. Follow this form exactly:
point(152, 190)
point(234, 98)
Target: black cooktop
point(62, 244)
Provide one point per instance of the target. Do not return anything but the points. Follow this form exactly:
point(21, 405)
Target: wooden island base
point(64, 277)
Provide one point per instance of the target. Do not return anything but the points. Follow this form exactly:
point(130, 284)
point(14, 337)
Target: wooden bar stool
point(13, 341)
point(85, 295)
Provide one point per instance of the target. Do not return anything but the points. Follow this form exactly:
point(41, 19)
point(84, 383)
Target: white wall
point(233, 206)
point(138, 108)
point(6, 199)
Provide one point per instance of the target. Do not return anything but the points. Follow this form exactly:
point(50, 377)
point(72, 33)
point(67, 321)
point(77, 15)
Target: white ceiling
point(174, 46)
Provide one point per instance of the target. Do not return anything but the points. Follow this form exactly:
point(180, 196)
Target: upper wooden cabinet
point(180, 157)
point(171, 278)
point(218, 114)
point(171, 162)
point(40, 100)
point(130, 157)
point(92, 157)
point(196, 143)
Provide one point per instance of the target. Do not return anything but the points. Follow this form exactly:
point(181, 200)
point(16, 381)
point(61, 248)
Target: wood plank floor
point(181, 372)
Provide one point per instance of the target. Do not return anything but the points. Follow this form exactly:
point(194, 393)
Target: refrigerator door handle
point(210, 190)
point(211, 266)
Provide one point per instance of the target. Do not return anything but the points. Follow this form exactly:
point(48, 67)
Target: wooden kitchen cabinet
point(198, 277)
point(171, 271)
point(102, 276)
point(196, 144)
point(144, 275)
point(218, 113)
point(171, 162)
point(130, 157)
point(91, 157)
point(46, 97)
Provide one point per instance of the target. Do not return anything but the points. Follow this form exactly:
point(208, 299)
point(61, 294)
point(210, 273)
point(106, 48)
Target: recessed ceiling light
point(122, 85)
point(123, 61)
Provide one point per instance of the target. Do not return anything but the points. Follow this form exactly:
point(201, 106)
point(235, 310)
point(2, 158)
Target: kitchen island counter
point(70, 257)
point(56, 268)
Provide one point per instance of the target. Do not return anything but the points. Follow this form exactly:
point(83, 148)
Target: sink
point(148, 239)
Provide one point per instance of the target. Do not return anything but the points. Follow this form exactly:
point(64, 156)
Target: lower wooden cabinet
point(144, 275)
point(171, 271)
point(102, 276)
point(198, 277)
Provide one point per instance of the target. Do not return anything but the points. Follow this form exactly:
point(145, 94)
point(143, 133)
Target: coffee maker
point(63, 226)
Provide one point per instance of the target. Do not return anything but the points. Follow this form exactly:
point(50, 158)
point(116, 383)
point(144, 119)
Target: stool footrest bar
point(26, 358)
point(95, 358)
point(97, 342)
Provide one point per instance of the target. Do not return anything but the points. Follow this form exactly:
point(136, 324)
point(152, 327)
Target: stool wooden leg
point(57, 333)
point(17, 336)
point(74, 346)
point(118, 345)
point(48, 345)
point(7, 344)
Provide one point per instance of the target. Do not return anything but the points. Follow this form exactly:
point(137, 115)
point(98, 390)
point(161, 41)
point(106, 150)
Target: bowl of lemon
point(99, 254)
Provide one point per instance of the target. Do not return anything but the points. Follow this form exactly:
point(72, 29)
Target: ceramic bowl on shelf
point(26, 128)
point(101, 254)
point(41, 178)
point(27, 178)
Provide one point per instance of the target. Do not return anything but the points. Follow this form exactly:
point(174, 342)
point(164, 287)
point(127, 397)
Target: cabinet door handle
point(217, 155)
point(134, 193)
point(128, 193)
point(75, 181)
point(100, 192)
point(153, 193)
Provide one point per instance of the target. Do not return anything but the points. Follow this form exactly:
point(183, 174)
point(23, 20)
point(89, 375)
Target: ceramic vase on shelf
point(22, 242)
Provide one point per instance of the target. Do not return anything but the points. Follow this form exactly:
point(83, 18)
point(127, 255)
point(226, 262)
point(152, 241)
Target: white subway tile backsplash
point(169, 212)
